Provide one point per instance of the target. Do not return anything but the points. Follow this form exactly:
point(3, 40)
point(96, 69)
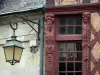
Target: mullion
point(72, 71)
point(73, 51)
point(66, 58)
point(74, 25)
point(77, 26)
point(66, 26)
point(74, 57)
point(70, 61)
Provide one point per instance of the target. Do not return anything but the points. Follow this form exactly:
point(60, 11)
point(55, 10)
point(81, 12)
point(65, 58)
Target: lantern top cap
point(12, 42)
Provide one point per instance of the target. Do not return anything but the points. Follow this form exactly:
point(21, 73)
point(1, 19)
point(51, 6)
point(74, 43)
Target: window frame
point(65, 37)
point(52, 43)
point(69, 21)
point(74, 60)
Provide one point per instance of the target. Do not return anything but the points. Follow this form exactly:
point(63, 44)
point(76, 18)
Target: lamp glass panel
point(18, 53)
point(9, 53)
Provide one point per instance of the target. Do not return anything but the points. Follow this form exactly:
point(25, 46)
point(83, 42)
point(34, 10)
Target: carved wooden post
point(50, 44)
point(86, 35)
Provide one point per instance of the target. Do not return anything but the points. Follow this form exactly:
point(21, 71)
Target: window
point(70, 44)
point(70, 24)
point(70, 58)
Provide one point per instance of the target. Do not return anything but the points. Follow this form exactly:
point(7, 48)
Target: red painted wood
point(74, 8)
point(51, 47)
point(68, 37)
point(52, 53)
point(86, 43)
point(50, 44)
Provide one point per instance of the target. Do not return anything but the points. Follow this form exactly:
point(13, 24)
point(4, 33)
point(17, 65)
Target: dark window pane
point(70, 56)
point(62, 66)
point(62, 21)
point(62, 56)
point(70, 21)
point(78, 73)
point(70, 74)
point(62, 30)
point(62, 59)
point(62, 73)
point(78, 20)
point(78, 30)
point(62, 46)
point(70, 66)
point(78, 46)
point(78, 66)
point(70, 46)
point(78, 56)
point(70, 30)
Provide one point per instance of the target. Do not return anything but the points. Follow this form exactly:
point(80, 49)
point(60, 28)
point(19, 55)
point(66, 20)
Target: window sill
point(68, 37)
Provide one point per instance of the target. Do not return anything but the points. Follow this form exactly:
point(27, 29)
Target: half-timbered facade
point(72, 37)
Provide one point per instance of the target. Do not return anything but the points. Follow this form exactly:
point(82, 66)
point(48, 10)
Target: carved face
point(49, 28)
point(49, 22)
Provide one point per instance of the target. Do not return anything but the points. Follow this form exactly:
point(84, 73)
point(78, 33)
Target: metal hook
point(14, 26)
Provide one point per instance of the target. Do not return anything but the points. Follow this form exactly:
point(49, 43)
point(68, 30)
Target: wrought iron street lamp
point(13, 48)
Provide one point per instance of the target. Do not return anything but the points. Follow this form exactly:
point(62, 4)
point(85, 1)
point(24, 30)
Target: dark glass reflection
point(62, 73)
point(70, 46)
point(62, 30)
point(78, 46)
point(62, 66)
point(62, 46)
point(70, 56)
point(78, 73)
point(63, 21)
point(70, 21)
point(70, 66)
point(70, 73)
point(78, 20)
point(78, 66)
point(78, 56)
point(70, 30)
point(62, 56)
point(78, 30)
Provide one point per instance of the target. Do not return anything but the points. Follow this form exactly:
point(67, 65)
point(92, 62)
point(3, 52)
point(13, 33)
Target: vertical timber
point(50, 44)
point(86, 36)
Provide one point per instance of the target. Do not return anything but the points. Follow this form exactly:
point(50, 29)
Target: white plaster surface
point(29, 63)
point(21, 71)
